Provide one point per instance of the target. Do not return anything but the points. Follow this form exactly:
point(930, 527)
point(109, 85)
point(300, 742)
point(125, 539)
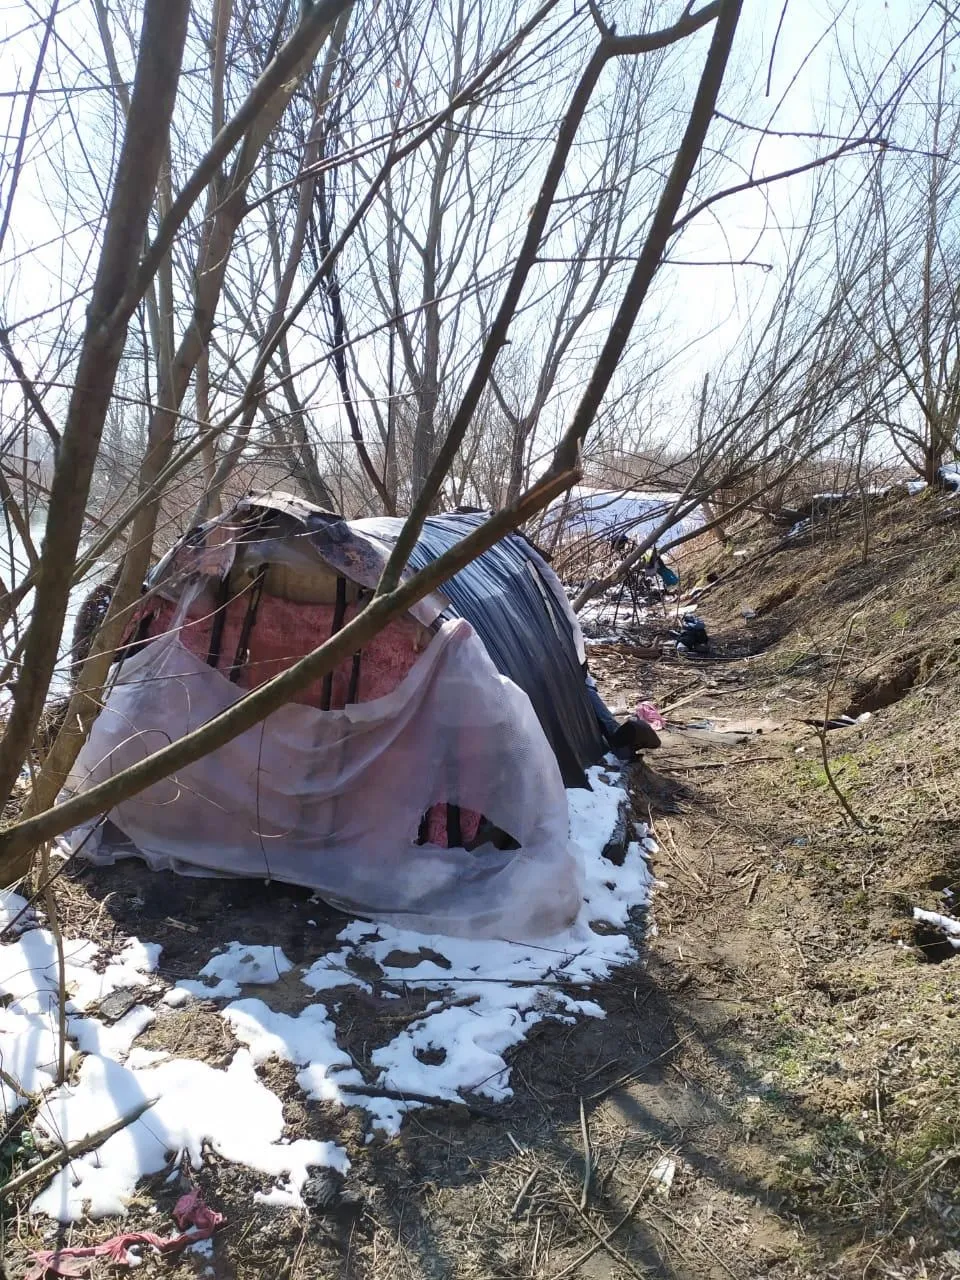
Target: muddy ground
point(785, 1055)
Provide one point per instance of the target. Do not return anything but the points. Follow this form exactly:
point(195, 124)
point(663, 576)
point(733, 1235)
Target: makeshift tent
point(421, 782)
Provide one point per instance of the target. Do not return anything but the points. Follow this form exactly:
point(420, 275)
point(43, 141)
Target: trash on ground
point(841, 722)
point(650, 712)
point(663, 1173)
point(195, 1220)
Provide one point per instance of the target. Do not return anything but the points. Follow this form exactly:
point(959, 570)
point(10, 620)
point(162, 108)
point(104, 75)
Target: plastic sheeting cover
point(333, 800)
point(608, 513)
point(516, 604)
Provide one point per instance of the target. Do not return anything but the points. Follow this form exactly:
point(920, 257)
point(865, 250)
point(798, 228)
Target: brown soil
point(787, 1047)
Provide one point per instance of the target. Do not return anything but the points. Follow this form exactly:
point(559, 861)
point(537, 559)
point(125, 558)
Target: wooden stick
point(16, 1086)
point(50, 902)
point(404, 1095)
point(515, 1211)
point(603, 1241)
point(635, 1075)
point(679, 858)
point(698, 1237)
point(587, 1158)
point(698, 692)
point(66, 1153)
point(753, 886)
point(722, 764)
point(822, 732)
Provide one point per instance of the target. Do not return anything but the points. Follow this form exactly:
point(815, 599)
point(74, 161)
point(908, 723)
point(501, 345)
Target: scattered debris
point(841, 722)
point(325, 1192)
point(650, 712)
point(195, 1220)
point(663, 1173)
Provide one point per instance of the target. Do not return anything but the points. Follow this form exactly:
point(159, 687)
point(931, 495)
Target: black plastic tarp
point(507, 600)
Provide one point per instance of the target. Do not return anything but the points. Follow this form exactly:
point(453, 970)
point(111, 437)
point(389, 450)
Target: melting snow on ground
point(232, 969)
point(948, 926)
point(486, 997)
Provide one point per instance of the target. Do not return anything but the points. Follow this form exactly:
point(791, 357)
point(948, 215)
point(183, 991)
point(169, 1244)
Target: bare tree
point(911, 306)
point(123, 278)
point(392, 597)
point(419, 269)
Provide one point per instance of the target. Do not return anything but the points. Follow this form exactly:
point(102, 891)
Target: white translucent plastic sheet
point(333, 800)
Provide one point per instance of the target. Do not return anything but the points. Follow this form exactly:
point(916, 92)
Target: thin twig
point(521, 1195)
point(405, 1095)
point(16, 1086)
point(680, 860)
point(603, 1240)
point(822, 731)
point(53, 920)
point(722, 764)
point(635, 1075)
point(753, 887)
point(536, 1249)
point(698, 1236)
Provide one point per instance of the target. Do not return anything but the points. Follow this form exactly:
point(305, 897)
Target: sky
point(706, 309)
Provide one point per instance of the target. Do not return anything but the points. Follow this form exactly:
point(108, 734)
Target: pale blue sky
point(703, 309)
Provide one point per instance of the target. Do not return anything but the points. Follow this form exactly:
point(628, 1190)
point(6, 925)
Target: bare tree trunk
point(518, 458)
point(334, 300)
point(225, 211)
point(237, 445)
point(144, 146)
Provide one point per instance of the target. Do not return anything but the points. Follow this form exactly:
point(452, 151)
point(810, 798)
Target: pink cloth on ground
point(650, 712)
point(189, 1212)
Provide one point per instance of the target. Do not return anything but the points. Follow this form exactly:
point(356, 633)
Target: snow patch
point(308, 1040)
point(93, 1036)
point(946, 924)
point(231, 1110)
point(331, 971)
point(15, 913)
point(239, 965)
point(486, 996)
point(29, 1016)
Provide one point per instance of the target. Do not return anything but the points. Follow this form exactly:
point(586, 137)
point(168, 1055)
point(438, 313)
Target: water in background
point(13, 568)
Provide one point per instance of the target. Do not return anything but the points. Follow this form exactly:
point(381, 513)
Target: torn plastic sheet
point(334, 799)
point(517, 606)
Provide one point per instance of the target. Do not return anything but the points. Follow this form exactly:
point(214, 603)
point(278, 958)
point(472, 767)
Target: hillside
point(816, 1020)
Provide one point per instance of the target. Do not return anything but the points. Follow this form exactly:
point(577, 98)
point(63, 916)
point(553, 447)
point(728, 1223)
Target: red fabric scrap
point(196, 1220)
point(650, 712)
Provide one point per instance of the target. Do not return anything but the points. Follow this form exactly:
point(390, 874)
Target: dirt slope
point(821, 1020)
